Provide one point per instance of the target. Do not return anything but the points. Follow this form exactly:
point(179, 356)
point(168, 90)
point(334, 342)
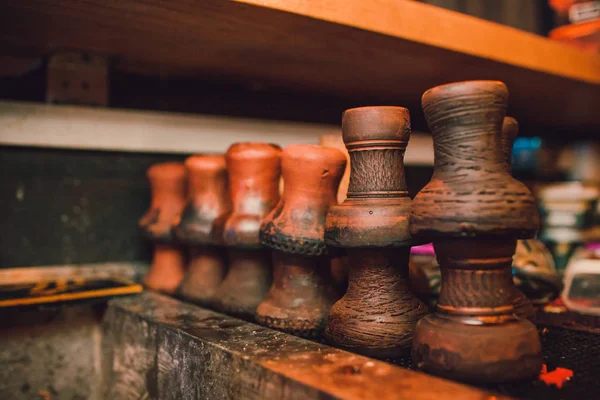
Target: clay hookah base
point(377, 315)
point(167, 269)
point(293, 321)
point(207, 268)
point(449, 347)
point(301, 296)
point(246, 284)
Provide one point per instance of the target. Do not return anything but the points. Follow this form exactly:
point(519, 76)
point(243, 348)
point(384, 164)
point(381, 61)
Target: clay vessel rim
point(366, 109)
point(388, 124)
point(253, 150)
point(328, 156)
point(203, 162)
point(167, 170)
point(449, 89)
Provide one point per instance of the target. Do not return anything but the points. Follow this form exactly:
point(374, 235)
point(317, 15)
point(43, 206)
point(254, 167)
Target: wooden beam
point(89, 128)
point(158, 347)
point(432, 26)
point(376, 52)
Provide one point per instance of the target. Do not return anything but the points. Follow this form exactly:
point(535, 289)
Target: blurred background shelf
point(381, 51)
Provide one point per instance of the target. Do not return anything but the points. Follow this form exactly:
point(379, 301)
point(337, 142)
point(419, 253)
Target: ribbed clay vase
point(474, 212)
point(378, 313)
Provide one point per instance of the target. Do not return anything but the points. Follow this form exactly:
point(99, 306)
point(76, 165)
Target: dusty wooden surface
point(158, 347)
point(52, 353)
point(387, 50)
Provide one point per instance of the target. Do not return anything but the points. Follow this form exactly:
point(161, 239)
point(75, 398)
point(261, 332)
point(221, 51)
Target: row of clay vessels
point(472, 210)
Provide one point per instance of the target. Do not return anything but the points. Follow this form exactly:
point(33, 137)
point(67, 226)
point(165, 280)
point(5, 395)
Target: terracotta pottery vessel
point(167, 182)
point(302, 292)
point(208, 197)
point(510, 129)
point(254, 170)
point(378, 313)
point(339, 261)
point(473, 211)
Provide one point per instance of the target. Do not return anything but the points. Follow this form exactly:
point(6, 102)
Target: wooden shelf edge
point(434, 26)
point(89, 128)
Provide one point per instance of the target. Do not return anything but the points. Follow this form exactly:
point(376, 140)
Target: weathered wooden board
point(158, 347)
point(389, 51)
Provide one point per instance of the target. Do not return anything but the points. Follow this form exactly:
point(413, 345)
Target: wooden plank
point(159, 347)
point(433, 26)
point(76, 127)
point(381, 51)
point(132, 271)
point(68, 283)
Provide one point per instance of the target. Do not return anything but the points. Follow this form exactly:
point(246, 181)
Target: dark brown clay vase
point(302, 292)
point(473, 211)
point(254, 171)
point(167, 183)
point(208, 197)
point(378, 313)
point(510, 129)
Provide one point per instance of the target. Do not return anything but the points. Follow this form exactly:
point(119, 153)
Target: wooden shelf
point(380, 51)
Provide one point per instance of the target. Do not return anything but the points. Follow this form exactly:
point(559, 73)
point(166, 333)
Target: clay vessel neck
point(206, 271)
point(311, 185)
point(388, 181)
point(254, 171)
point(209, 190)
point(477, 277)
point(465, 119)
point(300, 281)
point(246, 284)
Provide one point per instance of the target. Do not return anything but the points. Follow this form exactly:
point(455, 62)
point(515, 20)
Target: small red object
point(557, 377)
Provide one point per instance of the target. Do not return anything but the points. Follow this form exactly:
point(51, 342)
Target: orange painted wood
point(388, 51)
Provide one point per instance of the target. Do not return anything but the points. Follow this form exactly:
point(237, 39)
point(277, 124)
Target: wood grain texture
point(309, 45)
point(378, 313)
point(474, 211)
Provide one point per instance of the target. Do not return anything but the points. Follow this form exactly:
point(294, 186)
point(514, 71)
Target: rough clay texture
point(473, 211)
point(378, 313)
point(471, 191)
point(387, 177)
